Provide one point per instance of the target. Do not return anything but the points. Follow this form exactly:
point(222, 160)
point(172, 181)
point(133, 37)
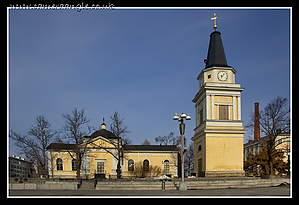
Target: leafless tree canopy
point(73, 133)
point(146, 142)
point(73, 126)
point(119, 130)
point(274, 119)
point(275, 116)
point(34, 144)
point(169, 140)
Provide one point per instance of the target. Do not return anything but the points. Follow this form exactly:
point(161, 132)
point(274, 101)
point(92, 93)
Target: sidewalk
point(264, 191)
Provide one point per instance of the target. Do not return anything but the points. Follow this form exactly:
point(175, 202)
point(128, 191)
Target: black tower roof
point(216, 54)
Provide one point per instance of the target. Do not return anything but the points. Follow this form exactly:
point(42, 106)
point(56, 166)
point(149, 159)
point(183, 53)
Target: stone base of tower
point(228, 173)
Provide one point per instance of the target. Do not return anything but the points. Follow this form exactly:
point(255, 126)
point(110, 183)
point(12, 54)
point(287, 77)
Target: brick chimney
point(256, 121)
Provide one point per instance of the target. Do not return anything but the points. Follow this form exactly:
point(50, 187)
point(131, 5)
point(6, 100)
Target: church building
point(100, 158)
point(219, 132)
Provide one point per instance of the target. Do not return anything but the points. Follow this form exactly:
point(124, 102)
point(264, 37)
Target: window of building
point(223, 112)
point(59, 164)
point(145, 165)
point(166, 167)
point(74, 165)
point(101, 167)
point(131, 165)
point(199, 148)
point(200, 116)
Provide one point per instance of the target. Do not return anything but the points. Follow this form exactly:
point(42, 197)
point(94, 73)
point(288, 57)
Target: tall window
point(223, 112)
point(131, 165)
point(59, 164)
point(200, 116)
point(74, 165)
point(145, 165)
point(166, 166)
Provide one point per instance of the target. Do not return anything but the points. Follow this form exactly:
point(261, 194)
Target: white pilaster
point(234, 107)
point(212, 107)
point(207, 107)
point(204, 110)
point(239, 107)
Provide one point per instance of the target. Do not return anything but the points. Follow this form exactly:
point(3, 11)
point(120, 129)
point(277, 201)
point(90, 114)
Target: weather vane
point(214, 18)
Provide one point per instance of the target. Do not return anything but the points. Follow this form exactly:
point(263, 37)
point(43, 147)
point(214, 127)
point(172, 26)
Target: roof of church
point(59, 146)
point(104, 133)
point(150, 147)
point(216, 54)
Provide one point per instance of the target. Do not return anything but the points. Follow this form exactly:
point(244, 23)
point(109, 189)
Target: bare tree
point(152, 171)
point(117, 150)
point(189, 158)
point(169, 140)
point(146, 142)
point(120, 131)
point(34, 144)
point(274, 119)
point(74, 134)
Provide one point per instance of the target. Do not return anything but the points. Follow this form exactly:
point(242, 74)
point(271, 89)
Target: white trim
point(50, 163)
point(224, 98)
point(239, 107)
point(213, 107)
point(207, 104)
point(234, 107)
point(203, 110)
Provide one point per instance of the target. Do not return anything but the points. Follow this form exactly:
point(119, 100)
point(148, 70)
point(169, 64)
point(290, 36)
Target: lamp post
point(180, 118)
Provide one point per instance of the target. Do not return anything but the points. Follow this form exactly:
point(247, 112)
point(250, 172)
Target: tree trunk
point(271, 168)
point(118, 170)
point(78, 166)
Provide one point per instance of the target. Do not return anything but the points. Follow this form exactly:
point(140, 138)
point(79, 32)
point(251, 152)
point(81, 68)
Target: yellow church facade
point(219, 132)
point(99, 159)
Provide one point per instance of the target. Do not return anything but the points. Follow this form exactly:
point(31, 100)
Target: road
point(265, 191)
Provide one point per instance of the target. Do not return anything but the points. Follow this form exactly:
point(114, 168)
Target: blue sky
point(141, 63)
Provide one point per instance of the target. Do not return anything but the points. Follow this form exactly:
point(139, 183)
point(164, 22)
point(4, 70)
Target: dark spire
point(216, 54)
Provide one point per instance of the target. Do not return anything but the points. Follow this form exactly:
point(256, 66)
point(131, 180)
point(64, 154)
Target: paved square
point(265, 191)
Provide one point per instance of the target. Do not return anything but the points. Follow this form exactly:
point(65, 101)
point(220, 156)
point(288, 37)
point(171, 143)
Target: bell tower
point(219, 132)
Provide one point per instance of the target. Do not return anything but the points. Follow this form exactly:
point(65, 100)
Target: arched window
point(166, 167)
point(145, 165)
point(131, 165)
point(199, 148)
point(59, 165)
point(74, 165)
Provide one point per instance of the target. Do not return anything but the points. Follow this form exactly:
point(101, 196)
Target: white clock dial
point(222, 75)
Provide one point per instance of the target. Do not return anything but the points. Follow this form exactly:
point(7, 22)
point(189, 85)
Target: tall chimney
point(256, 121)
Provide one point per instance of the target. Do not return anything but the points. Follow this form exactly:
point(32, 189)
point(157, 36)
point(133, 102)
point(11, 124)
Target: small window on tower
point(209, 76)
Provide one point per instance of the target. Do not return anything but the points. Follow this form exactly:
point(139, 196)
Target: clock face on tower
point(222, 75)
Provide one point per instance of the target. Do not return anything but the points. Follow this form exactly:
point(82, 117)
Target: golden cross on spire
point(214, 18)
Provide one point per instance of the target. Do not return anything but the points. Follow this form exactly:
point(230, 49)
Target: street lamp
point(180, 118)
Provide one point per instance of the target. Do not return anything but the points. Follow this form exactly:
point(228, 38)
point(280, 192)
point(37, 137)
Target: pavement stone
point(263, 191)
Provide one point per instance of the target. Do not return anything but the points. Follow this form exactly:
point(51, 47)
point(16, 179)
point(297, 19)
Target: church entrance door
point(199, 170)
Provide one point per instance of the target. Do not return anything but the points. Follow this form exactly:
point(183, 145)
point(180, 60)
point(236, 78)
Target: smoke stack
point(256, 121)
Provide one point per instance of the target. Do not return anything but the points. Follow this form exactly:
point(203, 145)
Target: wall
point(155, 158)
point(224, 153)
